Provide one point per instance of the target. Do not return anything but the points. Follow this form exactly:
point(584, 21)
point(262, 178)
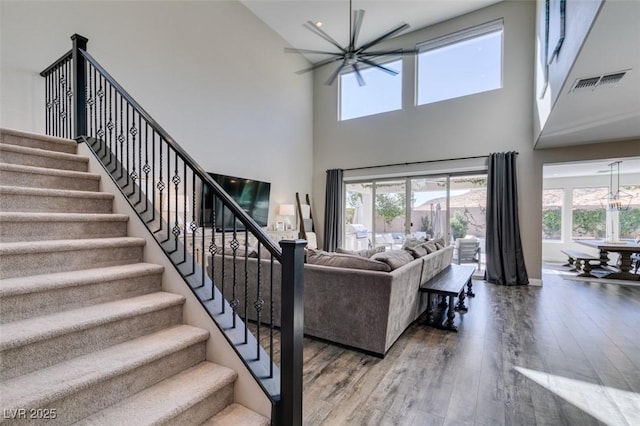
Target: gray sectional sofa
point(349, 304)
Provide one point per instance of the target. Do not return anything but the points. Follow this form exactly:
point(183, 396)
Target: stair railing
point(207, 236)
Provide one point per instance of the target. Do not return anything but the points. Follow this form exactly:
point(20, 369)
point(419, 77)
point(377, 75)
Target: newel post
point(79, 85)
point(289, 408)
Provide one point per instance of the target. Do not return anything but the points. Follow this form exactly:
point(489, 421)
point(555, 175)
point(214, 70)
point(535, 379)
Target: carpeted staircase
point(87, 335)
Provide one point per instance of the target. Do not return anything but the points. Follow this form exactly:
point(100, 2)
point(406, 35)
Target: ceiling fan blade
point(386, 35)
point(388, 52)
point(358, 15)
point(319, 52)
point(358, 75)
point(320, 64)
point(335, 74)
point(311, 27)
point(381, 67)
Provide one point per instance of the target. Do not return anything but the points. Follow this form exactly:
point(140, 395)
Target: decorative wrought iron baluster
point(213, 248)
point(184, 212)
point(259, 303)
point(127, 153)
point(176, 182)
point(133, 131)
point(56, 102)
point(234, 244)
point(121, 139)
point(271, 317)
point(223, 263)
point(140, 157)
point(47, 104)
point(69, 100)
point(91, 100)
point(246, 285)
point(146, 168)
point(160, 185)
point(110, 125)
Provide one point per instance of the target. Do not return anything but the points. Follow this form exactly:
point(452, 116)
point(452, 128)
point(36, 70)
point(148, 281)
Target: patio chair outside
point(468, 251)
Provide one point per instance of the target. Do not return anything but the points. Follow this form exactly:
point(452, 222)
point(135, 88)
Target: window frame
point(466, 34)
point(395, 58)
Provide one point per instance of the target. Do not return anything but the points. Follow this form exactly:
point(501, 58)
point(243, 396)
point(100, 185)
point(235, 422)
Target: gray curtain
point(505, 261)
point(333, 210)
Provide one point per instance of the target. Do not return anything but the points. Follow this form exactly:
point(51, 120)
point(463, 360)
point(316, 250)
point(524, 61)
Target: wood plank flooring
point(569, 335)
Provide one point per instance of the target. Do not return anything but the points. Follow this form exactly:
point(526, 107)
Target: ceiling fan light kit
point(351, 55)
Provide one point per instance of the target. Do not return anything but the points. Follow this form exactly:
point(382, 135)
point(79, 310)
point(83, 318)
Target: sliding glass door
point(384, 212)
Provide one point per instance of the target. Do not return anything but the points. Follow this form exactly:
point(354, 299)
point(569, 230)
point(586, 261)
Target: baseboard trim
point(535, 282)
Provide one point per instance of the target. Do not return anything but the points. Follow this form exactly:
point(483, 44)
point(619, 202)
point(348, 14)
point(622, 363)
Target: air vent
point(593, 83)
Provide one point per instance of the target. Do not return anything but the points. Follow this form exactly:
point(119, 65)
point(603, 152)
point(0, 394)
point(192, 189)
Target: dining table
point(624, 248)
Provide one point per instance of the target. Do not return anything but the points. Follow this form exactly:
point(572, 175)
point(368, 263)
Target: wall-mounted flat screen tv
point(251, 195)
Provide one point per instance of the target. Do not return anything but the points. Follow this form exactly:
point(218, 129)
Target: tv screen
point(251, 195)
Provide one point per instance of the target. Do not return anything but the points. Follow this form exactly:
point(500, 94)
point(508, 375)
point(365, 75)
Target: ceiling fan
point(351, 55)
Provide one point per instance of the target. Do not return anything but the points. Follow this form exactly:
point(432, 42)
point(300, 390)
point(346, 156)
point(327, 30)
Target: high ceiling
point(611, 46)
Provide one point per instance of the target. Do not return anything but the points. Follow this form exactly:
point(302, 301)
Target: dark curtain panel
point(333, 210)
point(505, 261)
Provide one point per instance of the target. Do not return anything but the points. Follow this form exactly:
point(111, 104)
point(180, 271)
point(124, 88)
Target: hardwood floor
point(576, 343)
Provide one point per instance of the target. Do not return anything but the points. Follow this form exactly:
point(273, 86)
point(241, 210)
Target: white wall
point(211, 73)
point(496, 121)
point(475, 125)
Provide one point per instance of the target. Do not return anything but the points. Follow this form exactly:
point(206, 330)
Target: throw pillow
point(419, 250)
point(394, 258)
point(362, 253)
point(320, 257)
point(412, 242)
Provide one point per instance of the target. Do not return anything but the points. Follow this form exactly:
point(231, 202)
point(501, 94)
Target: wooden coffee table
point(450, 283)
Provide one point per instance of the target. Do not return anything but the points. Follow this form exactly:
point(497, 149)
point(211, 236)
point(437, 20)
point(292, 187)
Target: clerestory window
point(460, 64)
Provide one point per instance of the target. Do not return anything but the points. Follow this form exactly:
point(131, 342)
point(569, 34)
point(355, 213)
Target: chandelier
point(616, 199)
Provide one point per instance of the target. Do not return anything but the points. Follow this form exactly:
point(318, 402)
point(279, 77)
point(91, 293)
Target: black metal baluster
point(56, 102)
point(168, 216)
point(110, 125)
point(140, 157)
point(224, 248)
point(176, 181)
point(184, 212)
point(133, 131)
point(127, 155)
point(234, 283)
point(271, 317)
point(246, 285)
point(69, 95)
point(47, 100)
point(259, 303)
point(146, 168)
point(120, 144)
point(213, 248)
point(90, 103)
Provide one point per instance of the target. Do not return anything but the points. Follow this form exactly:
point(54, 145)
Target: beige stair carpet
point(86, 333)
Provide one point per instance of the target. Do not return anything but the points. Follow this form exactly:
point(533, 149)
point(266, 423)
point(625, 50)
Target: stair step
point(35, 140)
point(189, 397)
point(18, 199)
point(237, 415)
point(50, 339)
point(14, 154)
point(20, 259)
point(60, 226)
point(41, 177)
point(78, 388)
point(26, 297)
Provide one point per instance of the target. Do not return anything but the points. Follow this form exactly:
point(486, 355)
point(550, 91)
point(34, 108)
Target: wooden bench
point(580, 261)
point(449, 283)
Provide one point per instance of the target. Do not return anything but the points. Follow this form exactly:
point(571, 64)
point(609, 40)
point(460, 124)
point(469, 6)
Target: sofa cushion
point(439, 243)
point(418, 251)
point(412, 242)
point(340, 260)
point(362, 253)
point(394, 258)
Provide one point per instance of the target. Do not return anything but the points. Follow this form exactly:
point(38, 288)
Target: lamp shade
point(287, 210)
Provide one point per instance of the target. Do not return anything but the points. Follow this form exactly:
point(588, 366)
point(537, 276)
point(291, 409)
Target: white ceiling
point(606, 114)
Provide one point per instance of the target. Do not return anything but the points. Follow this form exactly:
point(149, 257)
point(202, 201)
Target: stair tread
point(237, 415)
point(45, 282)
point(47, 246)
point(52, 139)
point(62, 217)
point(46, 192)
point(38, 388)
point(23, 332)
point(44, 153)
point(47, 171)
point(166, 399)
